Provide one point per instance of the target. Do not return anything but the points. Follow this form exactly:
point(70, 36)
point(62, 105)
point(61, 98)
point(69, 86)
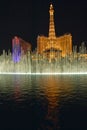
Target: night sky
point(30, 18)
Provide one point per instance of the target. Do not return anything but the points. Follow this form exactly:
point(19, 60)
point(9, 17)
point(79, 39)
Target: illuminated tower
point(52, 46)
point(51, 24)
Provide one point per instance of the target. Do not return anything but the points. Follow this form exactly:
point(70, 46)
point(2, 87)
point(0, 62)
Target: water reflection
point(42, 102)
point(51, 92)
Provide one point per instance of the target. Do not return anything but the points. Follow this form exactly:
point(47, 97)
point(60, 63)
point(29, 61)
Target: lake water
point(43, 102)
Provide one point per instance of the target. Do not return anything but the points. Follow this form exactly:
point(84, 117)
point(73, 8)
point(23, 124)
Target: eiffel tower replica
point(52, 46)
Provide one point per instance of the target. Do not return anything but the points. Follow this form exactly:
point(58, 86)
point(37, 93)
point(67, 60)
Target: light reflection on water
point(43, 102)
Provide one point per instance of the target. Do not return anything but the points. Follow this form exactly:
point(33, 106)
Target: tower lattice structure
point(51, 23)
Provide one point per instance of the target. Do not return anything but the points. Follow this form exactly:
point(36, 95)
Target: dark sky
point(30, 18)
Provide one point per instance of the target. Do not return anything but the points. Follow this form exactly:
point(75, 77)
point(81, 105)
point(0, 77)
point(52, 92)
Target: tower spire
point(51, 24)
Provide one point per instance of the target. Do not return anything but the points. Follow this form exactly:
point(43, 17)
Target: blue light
point(16, 50)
